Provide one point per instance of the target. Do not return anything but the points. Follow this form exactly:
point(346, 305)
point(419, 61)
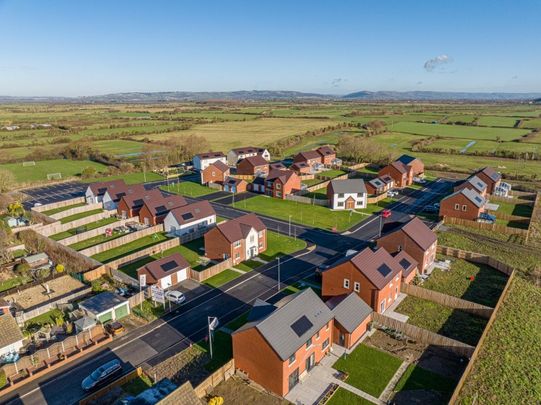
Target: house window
point(346, 283)
point(236, 244)
point(309, 343)
point(382, 306)
point(325, 344)
point(237, 255)
point(261, 233)
point(260, 245)
point(395, 292)
point(340, 195)
point(356, 286)
point(317, 335)
point(292, 359)
point(278, 186)
point(464, 208)
point(340, 203)
point(457, 207)
point(252, 238)
point(213, 174)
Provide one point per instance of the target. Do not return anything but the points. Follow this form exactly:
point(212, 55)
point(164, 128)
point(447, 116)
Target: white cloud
point(438, 63)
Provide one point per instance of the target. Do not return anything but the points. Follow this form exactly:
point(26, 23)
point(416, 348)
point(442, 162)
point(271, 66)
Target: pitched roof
point(162, 206)
point(210, 155)
point(116, 193)
point(166, 266)
point(386, 179)
point(220, 166)
point(185, 395)
point(349, 310)
point(477, 183)
point(193, 212)
point(471, 195)
point(377, 266)
point(234, 181)
point(406, 159)
point(309, 154)
point(277, 166)
point(299, 165)
point(377, 182)
point(292, 322)
point(137, 200)
point(401, 167)
point(238, 228)
point(348, 186)
point(419, 232)
point(283, 175)
point(102, 302)
point(248, 149)
point(254, 161)
point(101, 187)
point(325, 150)
point(491, 173)
point(407, 262)
point(9, 330)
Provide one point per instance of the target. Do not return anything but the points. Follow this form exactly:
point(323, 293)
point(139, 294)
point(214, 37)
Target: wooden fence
point(220, 375)
point(76, 210)
point(202, 275)
point(124, 278)
point(377, 198)
point(491, 227)
point(476, 258)
point(447, 300)
point(534, 230)
point(423, 335)
point(307, 200)
point(469, 367)
point(59, 204)
point(57, 227)
point(126, 378)
point(130, 237)
point(93, 232)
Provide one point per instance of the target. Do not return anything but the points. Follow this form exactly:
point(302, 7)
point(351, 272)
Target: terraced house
point(94, 192)
point(473, 183)
point(113, 194)
point(155, 210)
point(130, 205)
point(491, 178)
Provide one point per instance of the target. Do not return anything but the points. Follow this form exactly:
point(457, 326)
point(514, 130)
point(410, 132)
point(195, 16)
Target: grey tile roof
point(476, 182)
point(9, 331)
point(474, 197)
point(303, 311)
point(348, 186)
point(349, 310)
point(490, 172)
point(102, 302)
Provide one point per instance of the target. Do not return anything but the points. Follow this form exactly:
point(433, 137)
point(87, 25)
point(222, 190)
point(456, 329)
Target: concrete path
point(388, 391)
point(390, 312)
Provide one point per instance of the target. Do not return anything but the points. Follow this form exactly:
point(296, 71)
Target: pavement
point(173, 333)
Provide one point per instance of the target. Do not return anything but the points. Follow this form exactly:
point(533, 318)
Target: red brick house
point(241, 239)
point(154, 211)
point(413, 237)
point(280, 183)
point(301, 168)
point(165, 272)
point(401, 174)
point(465, 204)
point(234, 185)
point(416, 164)
point(281, 343)
point(473, 183)
point(253, 166)
point(409, 266)
point(130, 204)
point(374, 275)
point(351, 317)
point(277, 166)
point(328, 155)
point(216, 172)
point(379, 185)
point(490, 177)
point(310, 157)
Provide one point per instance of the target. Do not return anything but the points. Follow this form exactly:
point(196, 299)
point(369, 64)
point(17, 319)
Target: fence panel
point(222, 374)
point(160, 247)
point(308, 200)
point(93, 232)
point(59, 204)
point(476, 258)
point(210, 271)
point(76, 210)
point(124, 278)
point(57, 227)
point(492, 227)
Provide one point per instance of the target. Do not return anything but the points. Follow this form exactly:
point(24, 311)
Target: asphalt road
point(164, 337)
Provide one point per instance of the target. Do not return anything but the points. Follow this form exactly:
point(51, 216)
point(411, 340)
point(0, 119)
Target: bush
point(22, 269)
point(216, 401)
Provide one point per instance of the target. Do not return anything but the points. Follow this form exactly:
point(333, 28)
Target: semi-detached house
point(154, 211)
point(234, 155)
point(94, 192)
point(130, 205)
point(464, 204)
point(112, 196)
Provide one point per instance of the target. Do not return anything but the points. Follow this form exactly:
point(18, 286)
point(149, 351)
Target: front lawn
point(332, 173)
point(368, 369)
point(486, 287)
point(60, 209)
point(281, 245)
point(345, 397)
point(83, 228)
point(189, 188)
point(222, 278)
point(129, 248)
point(80, 215)
point(320, 194)
point(310, 215)
point(417, 378)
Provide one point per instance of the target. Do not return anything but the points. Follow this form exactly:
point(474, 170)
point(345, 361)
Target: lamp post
point(212, 323)
point(278, 273)
point(289, 229)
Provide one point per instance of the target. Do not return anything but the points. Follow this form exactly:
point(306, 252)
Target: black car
point(102, 375)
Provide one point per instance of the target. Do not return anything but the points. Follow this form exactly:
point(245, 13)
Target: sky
point(77, 48)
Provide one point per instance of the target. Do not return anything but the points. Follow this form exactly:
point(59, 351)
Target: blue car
point(487, 217)
point(102, 375)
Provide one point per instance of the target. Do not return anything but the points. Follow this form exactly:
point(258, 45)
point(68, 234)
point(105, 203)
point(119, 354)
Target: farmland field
point(39, 172)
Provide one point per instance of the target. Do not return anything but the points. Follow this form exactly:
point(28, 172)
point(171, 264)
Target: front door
point(342, 339)
point(350, 203)
point(310, 362)
point(293, 378)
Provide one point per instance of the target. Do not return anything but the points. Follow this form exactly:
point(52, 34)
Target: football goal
point(54, 176)
point(29, 163)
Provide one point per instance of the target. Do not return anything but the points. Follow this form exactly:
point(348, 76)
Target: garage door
point(182, 275)
point(121, 311)
point(166, 282)
point(105, 317)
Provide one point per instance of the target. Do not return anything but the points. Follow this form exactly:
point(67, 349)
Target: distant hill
point(269, 95)
point(537, 101)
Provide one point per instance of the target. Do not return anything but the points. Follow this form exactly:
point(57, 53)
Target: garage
point(105, 307)
point(165, 272)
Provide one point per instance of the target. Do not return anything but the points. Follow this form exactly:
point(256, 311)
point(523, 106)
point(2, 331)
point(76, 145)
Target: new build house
point(282, 342)
point(311, 158)
point(328, 155)
point(234, 155)
point(379, 185)
point(464, 204)
point(374, 275)
point(234, 185)
point(281, 183)
point(155, 210)
point(410, 267)
point(240, 239)
point(202, 160)
point(401, 174)
point(216, 172)
point(348, 194)
point(491, 178)
point(190, 218)
point(112, 196)
point(164, 272)
point(130, 205)
point(253, 166)
point(94, 192)
point(417, 166)
point(473, 183)
point(413, 237)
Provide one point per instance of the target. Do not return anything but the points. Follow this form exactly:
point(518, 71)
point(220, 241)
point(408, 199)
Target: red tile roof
point(137, 200)
point(166, 266)
point(255, 161)
point(325, 151)
point(161, 206)
point(220, 166)
point(283, 175)
point(116, 193)
point(238, 228)
point(377, 266)
point(101, 187)
point(309, 154)
point(407, 262)
point(401, 167)
point(210, 155)
point(421, 234)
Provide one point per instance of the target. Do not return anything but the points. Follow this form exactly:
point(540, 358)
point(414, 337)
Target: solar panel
point(169, 265)
point(478, 199)
point(159, 209)
point(405, 263)
point(301, 326)
point(384, 270)
point(187, 216)
point(138, 202)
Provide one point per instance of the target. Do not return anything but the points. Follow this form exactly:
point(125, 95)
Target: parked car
point(114, 328)
point(175, 297)
point(102, 375)
point(430, 208)
point(392, 193)
point(487, 218)
point(386, 213)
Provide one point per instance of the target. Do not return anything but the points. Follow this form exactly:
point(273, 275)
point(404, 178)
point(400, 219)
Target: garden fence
point(202, 275)
point(76, 210)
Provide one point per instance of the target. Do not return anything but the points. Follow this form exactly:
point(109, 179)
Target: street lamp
point(289, 232)
point(213, 323)
point(278, 273)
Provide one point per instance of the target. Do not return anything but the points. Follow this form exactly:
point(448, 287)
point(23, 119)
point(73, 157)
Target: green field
point(67, 168)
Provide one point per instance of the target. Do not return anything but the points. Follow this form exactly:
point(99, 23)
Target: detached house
point(409, 266)
point(415, 238)
point(240, 239)
point(348, 194)
point(234, 155)
point(281, 343)
point(310, 157)
point(373, 275)
point(130, 205)
point(154, 211)
point(113, 195)
point(473, 183)
point(253, 166)
point(328, 155)
point(190, 218)
point(491, 178)
point(281, 183)
point(202, 160)
point(216, 172)
point(416, 164)
point(401, 174)
point(465, 204)
point(94, 192)
point(164, 272)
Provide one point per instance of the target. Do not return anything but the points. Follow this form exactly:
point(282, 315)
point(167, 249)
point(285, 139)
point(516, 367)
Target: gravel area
point(186, 365)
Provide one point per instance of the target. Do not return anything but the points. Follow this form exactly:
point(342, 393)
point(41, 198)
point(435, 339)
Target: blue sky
point(93, 47)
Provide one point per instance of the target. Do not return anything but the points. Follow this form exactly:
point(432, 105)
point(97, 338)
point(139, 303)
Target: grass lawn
point(129, 248)
point(60, 209)
point(453, 323)
point(417, 378)
point(148, 310)
point(80, 215)
point(320, 194)
point(485, 289)
point(96, 240)
point(84, 228)
point(189, 188)
point(221, 347)
point(129, 178)
point(521, 210)
point(138, 385)
point(248, 265)
point(368, 369)
point(46, 318)
point(67, 168)
point(332, 173)
point(281, 245)
point(311, 182)
point(13, 282)
point(311, 215)
point(345, 397)
point(222, 278)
